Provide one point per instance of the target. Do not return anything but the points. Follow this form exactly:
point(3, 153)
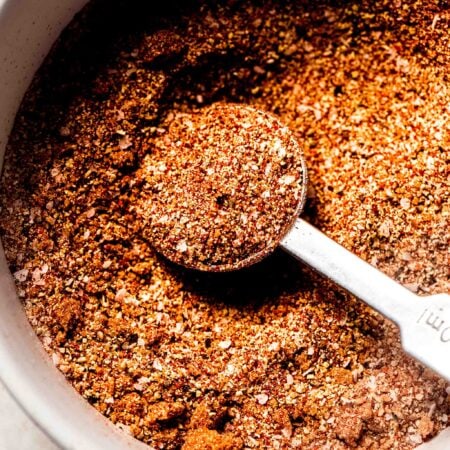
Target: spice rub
point(272, 356)
point(222, 187)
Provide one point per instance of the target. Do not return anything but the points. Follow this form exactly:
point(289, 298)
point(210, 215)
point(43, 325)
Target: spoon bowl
point(221, 188)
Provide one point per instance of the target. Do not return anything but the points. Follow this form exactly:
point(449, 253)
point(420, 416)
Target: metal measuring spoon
point(211, 170)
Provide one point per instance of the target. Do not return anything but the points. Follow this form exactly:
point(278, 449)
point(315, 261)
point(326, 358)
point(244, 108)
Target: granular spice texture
point(221, 187)
point(270, 357)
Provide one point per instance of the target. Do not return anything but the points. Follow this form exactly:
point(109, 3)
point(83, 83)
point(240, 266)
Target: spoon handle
point(424, 322)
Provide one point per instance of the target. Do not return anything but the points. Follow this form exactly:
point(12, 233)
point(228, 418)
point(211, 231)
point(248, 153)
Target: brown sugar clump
point(204, 439)
point(349, 428)
point(162, 411)
point(208, 415)
point(221, 187)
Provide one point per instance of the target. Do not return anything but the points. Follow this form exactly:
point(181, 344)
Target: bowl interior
point(27, 30)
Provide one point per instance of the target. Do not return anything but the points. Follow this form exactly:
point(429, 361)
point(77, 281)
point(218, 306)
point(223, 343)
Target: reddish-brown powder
point(221, 188)
point(272, 356)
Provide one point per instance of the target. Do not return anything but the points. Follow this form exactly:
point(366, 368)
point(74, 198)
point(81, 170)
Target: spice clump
point(221, 187)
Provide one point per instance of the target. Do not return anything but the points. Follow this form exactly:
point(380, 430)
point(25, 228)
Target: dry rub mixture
point(272, 357)
point(221, 188)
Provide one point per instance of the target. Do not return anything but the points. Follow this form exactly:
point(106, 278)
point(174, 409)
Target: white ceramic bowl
point(28, 28)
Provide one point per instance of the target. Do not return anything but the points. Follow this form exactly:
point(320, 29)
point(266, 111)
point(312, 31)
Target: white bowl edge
point(28, 28)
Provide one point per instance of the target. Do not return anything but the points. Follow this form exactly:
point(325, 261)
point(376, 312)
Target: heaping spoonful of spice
point(225, 186)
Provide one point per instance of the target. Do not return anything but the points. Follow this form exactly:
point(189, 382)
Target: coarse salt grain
point(405, 256)
point(230, 369)
point(416, 438)
point(274, 346)
point(182, 246)
point(372, 383)
point(157, 365)
point(121, 294)
point(385, 228)
point(36, 275)
point(287, 179)
point(405, 203)
point(21, 275)
point(90, 213)
point(225, 344)
point(262, 399)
